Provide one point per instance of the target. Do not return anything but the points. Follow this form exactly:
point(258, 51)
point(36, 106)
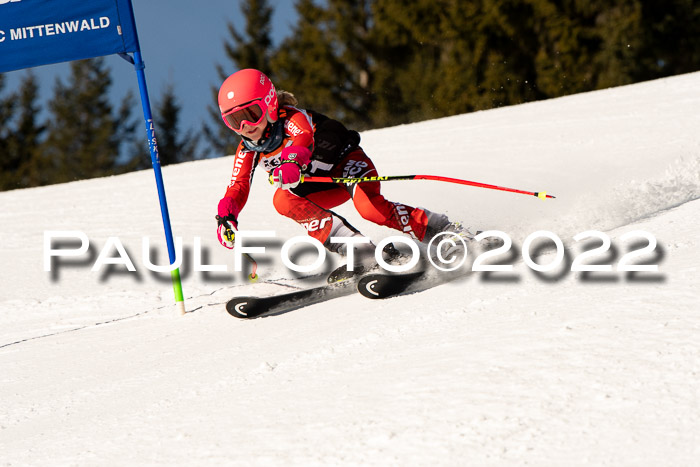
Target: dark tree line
point(376, 63)
point(371, 63)
point(83, 135)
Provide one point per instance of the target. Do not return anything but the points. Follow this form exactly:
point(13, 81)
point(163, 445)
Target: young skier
point(287, 142)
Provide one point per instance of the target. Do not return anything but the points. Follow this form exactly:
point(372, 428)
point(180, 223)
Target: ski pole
point(230, 235)
point(389, 178)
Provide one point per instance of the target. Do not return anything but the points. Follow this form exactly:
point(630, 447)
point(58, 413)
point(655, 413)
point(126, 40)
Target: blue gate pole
point(155, 161)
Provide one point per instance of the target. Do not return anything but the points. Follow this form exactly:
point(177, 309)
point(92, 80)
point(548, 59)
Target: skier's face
point(253, 132)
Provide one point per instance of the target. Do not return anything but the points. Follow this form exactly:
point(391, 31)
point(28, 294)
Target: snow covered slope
point(552, 368)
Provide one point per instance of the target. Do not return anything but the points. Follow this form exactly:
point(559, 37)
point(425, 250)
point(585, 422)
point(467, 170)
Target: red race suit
point(335, 153)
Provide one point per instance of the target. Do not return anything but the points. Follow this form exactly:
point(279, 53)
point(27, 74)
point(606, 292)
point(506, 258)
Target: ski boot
point(439, 225)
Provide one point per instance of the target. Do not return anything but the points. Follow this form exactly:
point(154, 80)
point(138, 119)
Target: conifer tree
point(8, 163)
point(327, 60)
point(304, 63)
point(671, 43)
point(172, 148)
point(349, 30)
point(6, 107)
point(25, 145)
point(250, 50)
point(618, 44)
point(408, 53)
point(20, 148)
point(85, 136)
point(384, 62)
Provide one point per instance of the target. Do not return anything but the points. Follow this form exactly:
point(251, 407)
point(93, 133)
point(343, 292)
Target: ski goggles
point(251, 113)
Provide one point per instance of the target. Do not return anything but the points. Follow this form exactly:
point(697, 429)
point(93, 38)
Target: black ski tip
point(243, 307)
point(378, 286)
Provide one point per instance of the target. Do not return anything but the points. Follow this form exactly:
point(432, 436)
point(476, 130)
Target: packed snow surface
point(515, 367)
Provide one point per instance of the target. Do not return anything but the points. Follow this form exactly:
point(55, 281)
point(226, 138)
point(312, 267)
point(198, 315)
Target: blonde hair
point(286, 98)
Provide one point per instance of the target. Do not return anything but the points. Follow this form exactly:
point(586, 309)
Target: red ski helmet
point(242, 93)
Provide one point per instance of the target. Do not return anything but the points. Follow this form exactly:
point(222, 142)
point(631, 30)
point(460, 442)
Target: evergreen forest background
point(368, 63)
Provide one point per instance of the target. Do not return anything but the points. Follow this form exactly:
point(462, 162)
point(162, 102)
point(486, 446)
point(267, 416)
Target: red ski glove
point(294, 160)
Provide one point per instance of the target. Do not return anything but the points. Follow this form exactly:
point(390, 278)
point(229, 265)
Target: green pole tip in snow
point(177, 288)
